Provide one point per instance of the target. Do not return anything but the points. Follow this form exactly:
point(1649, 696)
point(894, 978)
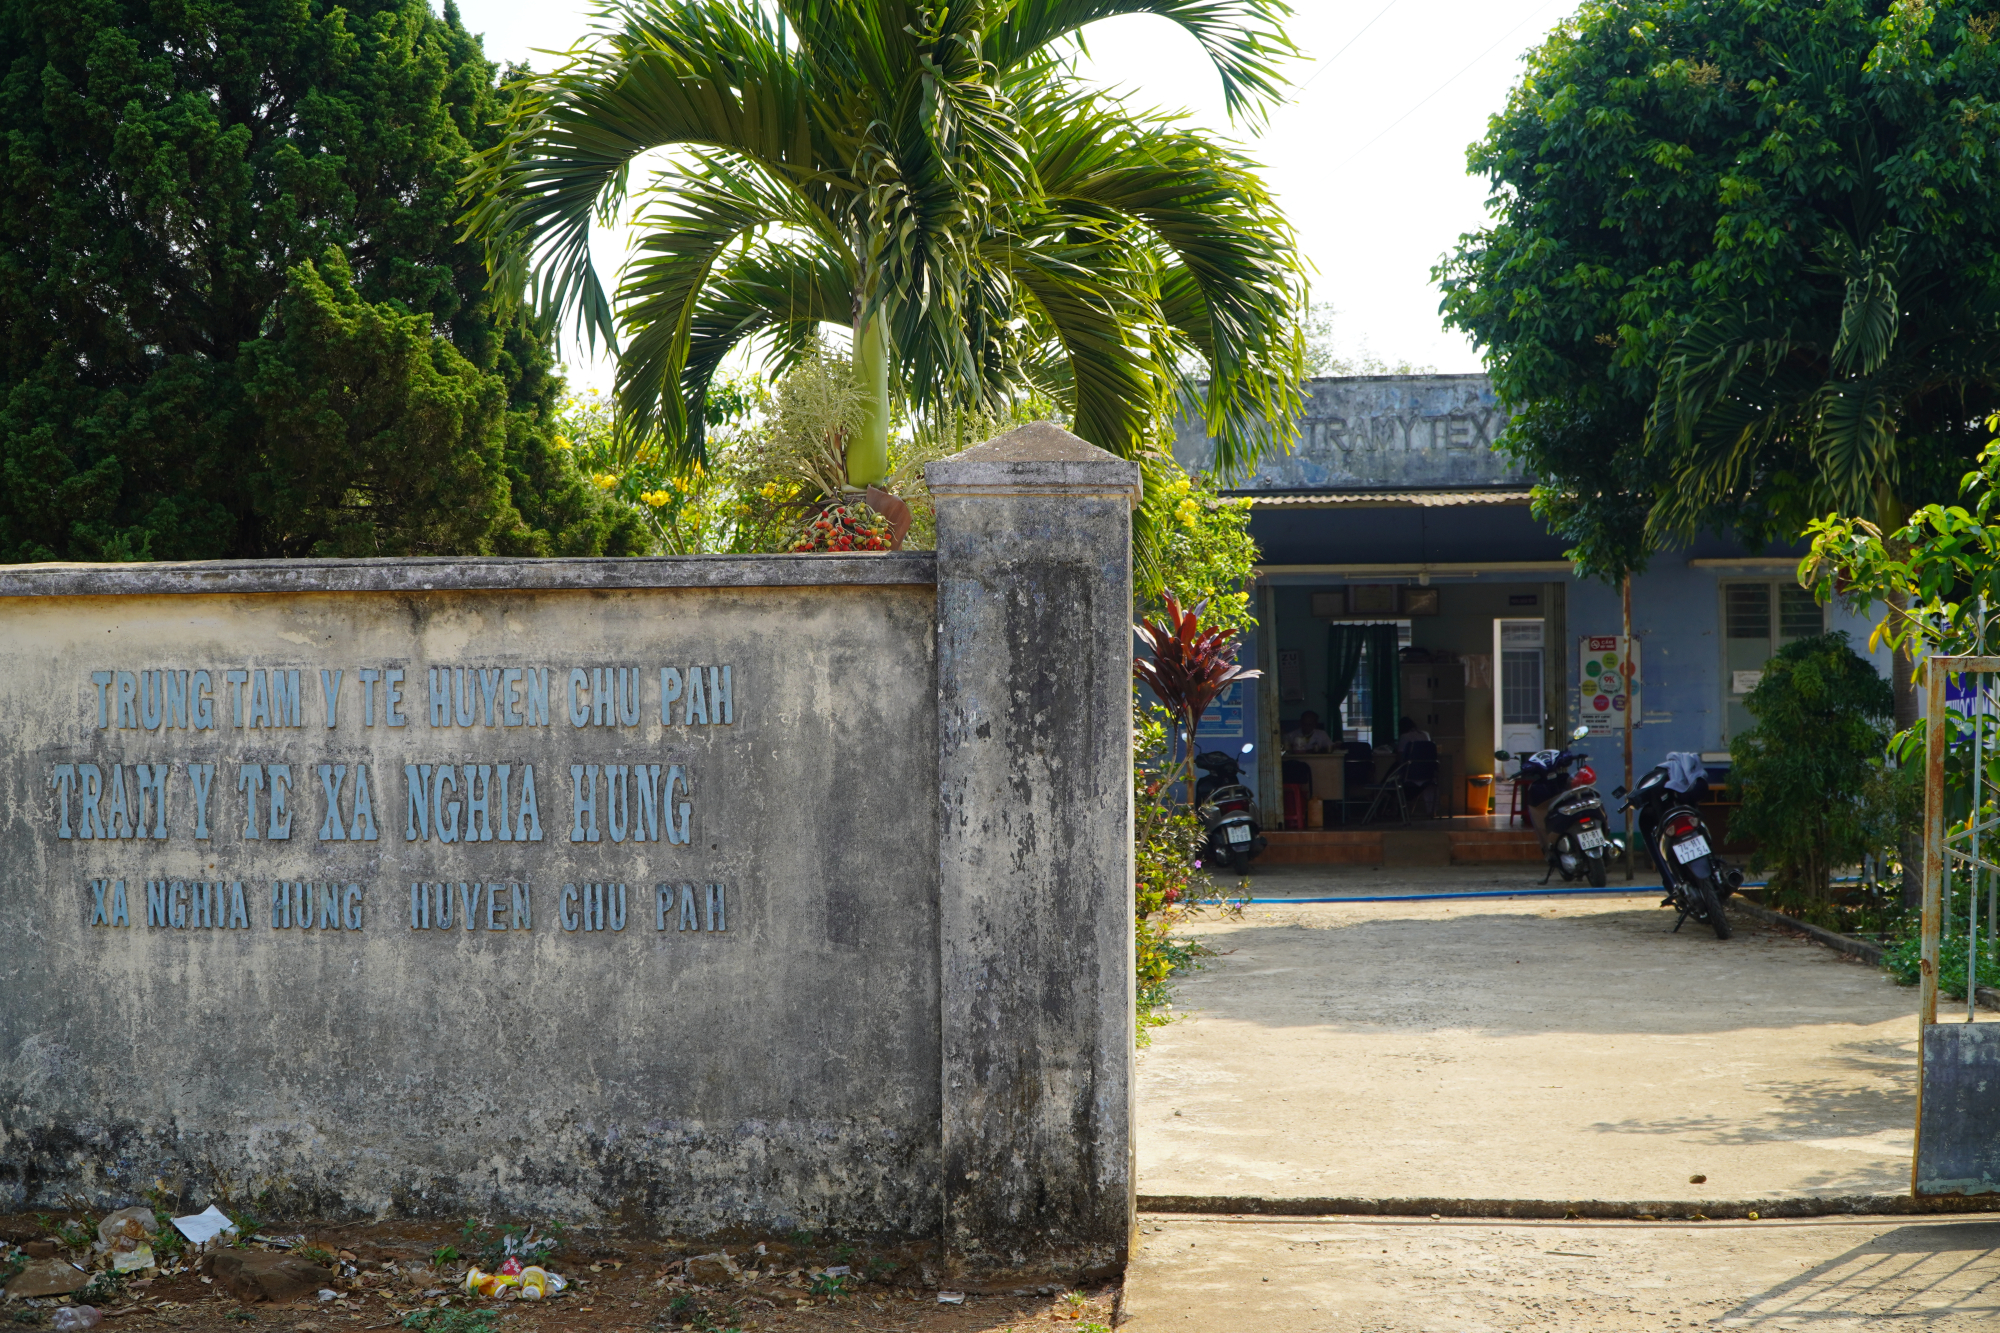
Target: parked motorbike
point(1696, 878)
point(1233, 838)
point(1574, 828)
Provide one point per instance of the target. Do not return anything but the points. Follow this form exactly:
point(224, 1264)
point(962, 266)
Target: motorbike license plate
point(1239, 833)
point(1693, 849)
point(1589, 838)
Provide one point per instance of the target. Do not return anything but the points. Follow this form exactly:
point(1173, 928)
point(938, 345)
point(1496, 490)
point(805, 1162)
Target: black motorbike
point(1696, 878)
point(1233, 838)
point(1575, 833)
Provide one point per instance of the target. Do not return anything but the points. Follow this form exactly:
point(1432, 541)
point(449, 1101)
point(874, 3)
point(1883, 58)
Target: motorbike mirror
point(1247, 748)
point(1579, 733)
point(1617, 791)
point(1501, 755)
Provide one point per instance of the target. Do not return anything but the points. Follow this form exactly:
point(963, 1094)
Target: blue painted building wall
point(1678, 618)
point(1341, 512)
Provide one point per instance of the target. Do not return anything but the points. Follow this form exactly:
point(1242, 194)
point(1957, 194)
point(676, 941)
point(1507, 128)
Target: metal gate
point(1958, 1083)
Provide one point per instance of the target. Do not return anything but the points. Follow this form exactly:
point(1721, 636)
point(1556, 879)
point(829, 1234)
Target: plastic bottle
point(76, 1316)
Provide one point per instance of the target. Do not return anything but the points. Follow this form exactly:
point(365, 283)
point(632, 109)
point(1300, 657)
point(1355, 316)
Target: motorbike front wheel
point(1710, 903)
point(1593, 865)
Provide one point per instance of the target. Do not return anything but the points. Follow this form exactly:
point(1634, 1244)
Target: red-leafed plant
point(1188, 668)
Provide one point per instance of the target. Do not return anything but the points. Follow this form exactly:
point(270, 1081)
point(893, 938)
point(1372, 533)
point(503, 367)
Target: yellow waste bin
point(1479, 794)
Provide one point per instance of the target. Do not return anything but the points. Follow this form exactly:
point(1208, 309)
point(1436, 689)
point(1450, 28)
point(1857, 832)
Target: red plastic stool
point(1295, 805)
point(1517, 810)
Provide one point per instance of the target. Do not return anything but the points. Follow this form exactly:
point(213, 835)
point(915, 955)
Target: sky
point(1367, 156)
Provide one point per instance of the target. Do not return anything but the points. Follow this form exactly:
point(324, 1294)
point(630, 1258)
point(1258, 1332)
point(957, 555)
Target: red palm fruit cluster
point(844, 528)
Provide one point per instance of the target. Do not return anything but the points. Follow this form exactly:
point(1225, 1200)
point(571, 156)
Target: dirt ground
point(1521, 1048)
point(618, 1285)
point(1497, 1048)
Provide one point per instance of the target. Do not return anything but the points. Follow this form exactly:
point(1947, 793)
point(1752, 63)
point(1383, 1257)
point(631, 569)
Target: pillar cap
point(1040, 458)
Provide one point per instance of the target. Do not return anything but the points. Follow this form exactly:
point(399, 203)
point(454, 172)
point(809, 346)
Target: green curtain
point(1385, 679)
point(1343, 663)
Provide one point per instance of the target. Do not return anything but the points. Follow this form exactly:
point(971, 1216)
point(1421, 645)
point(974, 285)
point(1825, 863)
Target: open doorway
point(1519, 721)
point(1445, 684)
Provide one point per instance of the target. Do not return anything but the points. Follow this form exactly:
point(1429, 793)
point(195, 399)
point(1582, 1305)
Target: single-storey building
point(1394, 515)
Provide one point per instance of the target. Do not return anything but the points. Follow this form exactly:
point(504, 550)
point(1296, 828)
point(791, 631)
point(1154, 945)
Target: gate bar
point(1937, 872)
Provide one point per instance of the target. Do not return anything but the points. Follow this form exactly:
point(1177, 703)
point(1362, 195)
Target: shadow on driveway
point(1911, 1277)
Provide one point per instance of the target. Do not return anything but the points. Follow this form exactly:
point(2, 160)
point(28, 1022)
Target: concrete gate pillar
point(1034, 593)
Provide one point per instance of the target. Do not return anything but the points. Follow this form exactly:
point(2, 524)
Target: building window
point(1357, 711)
point(1521, 687)
point(1757, 620)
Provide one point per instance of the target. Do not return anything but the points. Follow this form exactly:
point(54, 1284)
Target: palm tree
point(1863, 391)
point(935, 178)
point(1865, 386)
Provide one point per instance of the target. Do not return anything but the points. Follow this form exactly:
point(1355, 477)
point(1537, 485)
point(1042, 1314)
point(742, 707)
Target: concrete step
point(1397, 846)
point(1486, 846)
point(1322, 847)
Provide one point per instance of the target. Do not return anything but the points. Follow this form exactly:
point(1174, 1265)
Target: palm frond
point(1870, 308)
point(1855, 445)
point(702, 73)
point(1231, 272)
point(1084, 297)
point(702, 214)
point(1245, 39)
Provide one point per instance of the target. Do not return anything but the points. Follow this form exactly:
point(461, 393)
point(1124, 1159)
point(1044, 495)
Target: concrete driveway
point(1307, 1275)
point(1524, 1048)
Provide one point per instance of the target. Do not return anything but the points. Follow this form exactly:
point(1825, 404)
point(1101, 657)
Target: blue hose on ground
point(1483, 893)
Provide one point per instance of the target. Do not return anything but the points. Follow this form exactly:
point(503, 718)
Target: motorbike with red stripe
point(1575, 836)
point(1695, 876)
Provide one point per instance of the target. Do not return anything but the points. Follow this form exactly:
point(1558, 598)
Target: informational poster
point(1224, 718)
point(1602, 682)
point(1962, 693)
point(1291, 677)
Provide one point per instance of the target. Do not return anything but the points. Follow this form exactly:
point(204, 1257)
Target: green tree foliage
point(1166, 862)
point(235, 315)
point(1744, 265)
point(1196, 545)
point(1197, 548)
point(1938, 574)
point(775, 453)
point(1805, 767)
point(938, 179)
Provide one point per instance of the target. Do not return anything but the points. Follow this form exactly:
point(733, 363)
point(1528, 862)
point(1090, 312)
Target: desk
point(1329, 775)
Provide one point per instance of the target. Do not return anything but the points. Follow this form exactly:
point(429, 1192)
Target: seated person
point(1418, 753)
point(1360, 765)
point(1309, 737)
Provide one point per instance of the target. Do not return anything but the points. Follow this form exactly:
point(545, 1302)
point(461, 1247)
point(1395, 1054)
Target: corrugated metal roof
point(1485, 495)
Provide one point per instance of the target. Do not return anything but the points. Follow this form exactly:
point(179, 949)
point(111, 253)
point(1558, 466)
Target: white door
point(1517, 698)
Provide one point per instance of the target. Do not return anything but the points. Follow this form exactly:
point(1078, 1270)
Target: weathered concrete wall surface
point(820, 913)
point(1382, 431)
point(1035, 700)
point(777, 1066)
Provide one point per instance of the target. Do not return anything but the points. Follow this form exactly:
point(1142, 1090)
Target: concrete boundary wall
point(683, 894)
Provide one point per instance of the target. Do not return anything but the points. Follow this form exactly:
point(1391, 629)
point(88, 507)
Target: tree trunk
point(868, 449)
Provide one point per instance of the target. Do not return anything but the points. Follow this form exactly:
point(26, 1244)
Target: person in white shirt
point(1309, 737)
